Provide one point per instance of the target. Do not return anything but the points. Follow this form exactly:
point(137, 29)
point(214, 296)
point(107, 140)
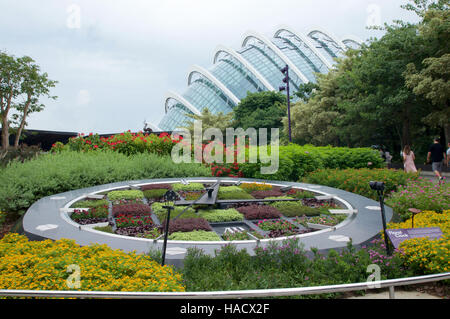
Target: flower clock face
point(211, 211)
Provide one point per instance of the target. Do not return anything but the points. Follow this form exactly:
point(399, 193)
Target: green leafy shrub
point(20, 154)
point(284, 265)
point(357, 180)
point(90, 203)
point(296, 193)
point(233, 192)
point(221, 215)
point(189, 187)
point(24, 183)
point(106, 229)
point(161, 213)
point(126, 194)
point(297, 161)
point(155, 194)
point(196, 235)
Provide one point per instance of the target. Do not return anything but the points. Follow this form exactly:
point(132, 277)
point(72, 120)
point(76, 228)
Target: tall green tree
point(365, 99)
point(22, 84)
point(209, 120)
point(260, 110)
point(430, 77)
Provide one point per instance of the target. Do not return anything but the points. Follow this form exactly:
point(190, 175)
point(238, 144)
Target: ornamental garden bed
point(140, 212)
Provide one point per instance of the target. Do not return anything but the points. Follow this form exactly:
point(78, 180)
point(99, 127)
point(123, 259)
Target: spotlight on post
point(285, 71)
point(379, 187)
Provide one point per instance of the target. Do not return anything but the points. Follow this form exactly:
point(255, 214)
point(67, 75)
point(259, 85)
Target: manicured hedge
point(155, 194)
point(90, 203)
point(196, 235)
point(24, 183)
point(221, 215)
point(297, 161)
point(161, 213)
point(233, 192)
point(357, 180)
point(125, 194)
point(188, 187)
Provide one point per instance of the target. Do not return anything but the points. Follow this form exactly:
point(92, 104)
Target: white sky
point(115, 59)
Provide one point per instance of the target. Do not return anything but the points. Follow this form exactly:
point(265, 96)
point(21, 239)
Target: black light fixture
point(285, 71)
point(169, 196)
point(379, 187)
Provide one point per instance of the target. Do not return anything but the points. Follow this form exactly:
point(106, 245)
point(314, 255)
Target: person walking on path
point(408, 160)
point(448, 153)
point(437, 155)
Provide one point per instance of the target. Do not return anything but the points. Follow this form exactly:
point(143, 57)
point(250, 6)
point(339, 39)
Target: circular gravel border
point(49, 218)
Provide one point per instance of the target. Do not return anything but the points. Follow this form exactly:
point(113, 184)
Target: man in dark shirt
point(438, 157)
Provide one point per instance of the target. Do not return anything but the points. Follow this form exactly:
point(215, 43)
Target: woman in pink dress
point(408, 160)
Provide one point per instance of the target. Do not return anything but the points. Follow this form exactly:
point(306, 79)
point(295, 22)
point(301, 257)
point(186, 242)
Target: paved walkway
point(398, 294)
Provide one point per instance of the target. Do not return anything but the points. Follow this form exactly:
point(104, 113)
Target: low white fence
point(391, 283)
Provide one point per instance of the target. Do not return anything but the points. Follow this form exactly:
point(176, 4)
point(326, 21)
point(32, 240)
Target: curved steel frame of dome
point(235, 55)
point(253, 68)
point(198, 69)
point(306, 41)
point(334, 50)
point(175, 96)
point(352, 39)
point(251, 34)
point(328, 35)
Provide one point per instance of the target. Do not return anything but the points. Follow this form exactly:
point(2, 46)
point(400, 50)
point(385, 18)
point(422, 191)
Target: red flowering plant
point(124, 220)
point(224, 168)
point(127, 143)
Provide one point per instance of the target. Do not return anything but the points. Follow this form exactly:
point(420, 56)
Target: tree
point(21, 86)
point(430, 78)
point(260, 110)
point(306, 91)
point(209, 120)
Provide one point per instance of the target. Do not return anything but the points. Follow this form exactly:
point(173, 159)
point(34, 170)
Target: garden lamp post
point(169, 196)
point(285, 71)
point(379, 187)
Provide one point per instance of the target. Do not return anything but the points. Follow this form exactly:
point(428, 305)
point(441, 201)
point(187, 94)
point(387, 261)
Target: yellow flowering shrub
point(44, 265)
point(427, 256)
point(251, 187)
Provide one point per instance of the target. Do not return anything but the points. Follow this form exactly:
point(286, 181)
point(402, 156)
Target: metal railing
point(390, 283)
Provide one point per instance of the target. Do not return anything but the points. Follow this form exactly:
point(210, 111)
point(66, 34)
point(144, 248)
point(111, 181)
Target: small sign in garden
point(397, 236)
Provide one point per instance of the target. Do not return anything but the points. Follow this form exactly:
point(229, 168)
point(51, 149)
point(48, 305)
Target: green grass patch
point(196, 235)
point(189, 187)
point(221, 215)
point(126, 194)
